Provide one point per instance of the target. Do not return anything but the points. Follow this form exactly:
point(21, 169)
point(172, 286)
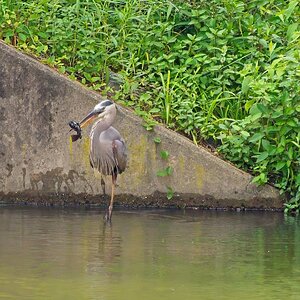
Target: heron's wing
point(102, 157)
point(108, 152)
point(120, 155)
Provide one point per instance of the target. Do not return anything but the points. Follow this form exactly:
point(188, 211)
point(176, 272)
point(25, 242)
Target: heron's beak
point(88, 119)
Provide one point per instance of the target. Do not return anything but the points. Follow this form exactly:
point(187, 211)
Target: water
point(70, 254)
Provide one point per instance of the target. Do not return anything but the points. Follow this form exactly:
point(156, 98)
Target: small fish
point(75, 126)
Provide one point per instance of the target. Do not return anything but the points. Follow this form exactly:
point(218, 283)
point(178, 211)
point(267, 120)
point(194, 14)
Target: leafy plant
point(157, 140)
point(165, 172)
point(170, 193)
point(164, 154)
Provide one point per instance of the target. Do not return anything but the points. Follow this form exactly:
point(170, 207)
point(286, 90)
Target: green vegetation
point(223, 71)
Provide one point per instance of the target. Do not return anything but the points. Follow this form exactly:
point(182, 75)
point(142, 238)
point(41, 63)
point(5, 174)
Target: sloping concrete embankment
point(38, 164)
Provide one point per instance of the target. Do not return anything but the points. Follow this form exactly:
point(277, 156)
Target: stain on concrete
point(9, 168)
point(2, 85)
point(199, 174)
point(2, 114)
point(86, 153)
point(137, 160)
point(56, 181)
point(24, 176)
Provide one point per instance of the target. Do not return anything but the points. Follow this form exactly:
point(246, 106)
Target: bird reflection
point(110, 243)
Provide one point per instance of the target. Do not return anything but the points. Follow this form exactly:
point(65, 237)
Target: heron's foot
point(107, 216)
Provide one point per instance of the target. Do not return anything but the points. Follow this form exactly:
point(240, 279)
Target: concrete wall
point(39, 164)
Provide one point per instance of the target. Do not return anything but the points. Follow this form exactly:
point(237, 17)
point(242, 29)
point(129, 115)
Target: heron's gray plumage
point(108, 152)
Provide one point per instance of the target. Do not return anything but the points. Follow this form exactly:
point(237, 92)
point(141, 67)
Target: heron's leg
point(103, 186)
point(110, 208)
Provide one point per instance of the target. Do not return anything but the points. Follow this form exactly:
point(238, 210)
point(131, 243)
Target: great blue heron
point(108, 153)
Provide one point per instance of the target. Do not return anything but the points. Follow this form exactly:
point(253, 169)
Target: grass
point(223, 71)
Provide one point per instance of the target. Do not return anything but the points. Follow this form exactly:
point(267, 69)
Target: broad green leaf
point(191, 37)
point(164, 154)
point(169, 170)
point(280, 165)
point(297, 179)
point(157, 140)
point(162, 173)
point(265, 144)
point(254, 109)
point(262, 156)
point(254, 117)
point(291, 7)
point(22, 36)
point(245, 133)
point(245, 84)
point(277, 114)
point(154, 110)
point(170, 193)
point(262, 108)
point(263, 43)
point(145, 97)
point(256, 137)
point(290, 153)
point(249, 104)
point(292, 123)
point(292, 29)
point(271, 47)
point(236, 127)
point(223, 127)
point(170, 7)
point(165, 172)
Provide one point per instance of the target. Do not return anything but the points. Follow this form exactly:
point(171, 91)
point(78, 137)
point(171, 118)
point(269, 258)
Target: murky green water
point(70, 254)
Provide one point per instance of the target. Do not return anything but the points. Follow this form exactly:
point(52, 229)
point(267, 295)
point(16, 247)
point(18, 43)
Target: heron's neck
point(101, 125)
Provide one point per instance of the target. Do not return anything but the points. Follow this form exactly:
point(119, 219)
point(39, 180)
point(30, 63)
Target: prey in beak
point(77, 126)
point(95, 113)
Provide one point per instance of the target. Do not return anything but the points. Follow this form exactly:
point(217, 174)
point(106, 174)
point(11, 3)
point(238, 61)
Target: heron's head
point(104, 110)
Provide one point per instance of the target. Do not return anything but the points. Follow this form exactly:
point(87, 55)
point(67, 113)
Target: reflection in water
point(72, 254)
point(109, 251)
